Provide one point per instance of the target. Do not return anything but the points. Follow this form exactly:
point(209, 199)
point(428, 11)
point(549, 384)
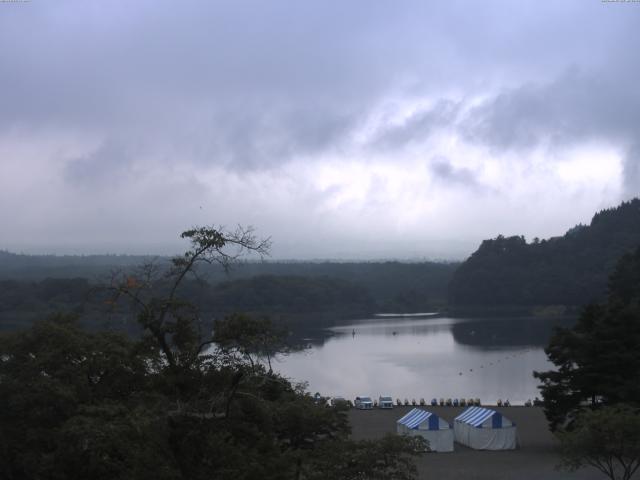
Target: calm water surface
point(426, 357)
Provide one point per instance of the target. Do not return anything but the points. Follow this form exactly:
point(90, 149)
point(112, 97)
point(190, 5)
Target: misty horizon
point(169, 251)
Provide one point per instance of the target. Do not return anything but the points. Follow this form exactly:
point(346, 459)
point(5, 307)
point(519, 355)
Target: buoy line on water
point(508, 357)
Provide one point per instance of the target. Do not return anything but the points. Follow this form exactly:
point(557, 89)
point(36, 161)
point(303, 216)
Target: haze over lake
point(426, 357)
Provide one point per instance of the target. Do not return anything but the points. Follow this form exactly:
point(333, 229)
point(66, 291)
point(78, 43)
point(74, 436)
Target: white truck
point(363, 403)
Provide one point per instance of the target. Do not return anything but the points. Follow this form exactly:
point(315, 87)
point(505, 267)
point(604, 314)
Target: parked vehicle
point(385, 402)
point(363, 403)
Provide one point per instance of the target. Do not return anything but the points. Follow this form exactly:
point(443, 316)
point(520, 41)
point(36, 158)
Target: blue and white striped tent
point(485, 429)
point(429, 426)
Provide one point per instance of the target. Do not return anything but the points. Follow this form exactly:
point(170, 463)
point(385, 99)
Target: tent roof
point(414, 418)
point(475, 416)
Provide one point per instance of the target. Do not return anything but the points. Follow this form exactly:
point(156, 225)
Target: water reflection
point(524, 332)
point(430, 357)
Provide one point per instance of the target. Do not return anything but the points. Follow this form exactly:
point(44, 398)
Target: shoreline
point(536, 457)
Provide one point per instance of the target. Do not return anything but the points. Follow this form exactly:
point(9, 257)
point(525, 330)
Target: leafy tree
point(169, 320)
point(252, 338)
point(72, 401)
point(289, 294)
point(598, 360)
point(570, 270)
point(389, 458)
point(607, 439)
point(172, 404)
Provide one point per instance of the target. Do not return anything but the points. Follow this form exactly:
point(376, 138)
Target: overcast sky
point(342, 129)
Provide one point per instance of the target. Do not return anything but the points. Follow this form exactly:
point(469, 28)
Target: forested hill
point(35, 286)
point(15, 266)
point(569, 270)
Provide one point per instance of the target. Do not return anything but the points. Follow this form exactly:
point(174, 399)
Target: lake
point(427, 357)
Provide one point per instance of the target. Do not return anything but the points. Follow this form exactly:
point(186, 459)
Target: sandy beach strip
point(535, 459)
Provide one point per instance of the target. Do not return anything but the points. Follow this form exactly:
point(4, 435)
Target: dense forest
point(571, 270)
point(175, 402)
point(35, 286)
point(506, 274)
point(404, 285)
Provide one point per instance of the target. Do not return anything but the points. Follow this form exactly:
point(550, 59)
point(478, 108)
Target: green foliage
point(170, 404)
point(598, 360)
point(607, 439)
point(78, 405)
point(388, 458)
point(57, 380)
point(300, 299)
point(252, 338)
point(342, 289)
point(49, 293)
point(287, 294)
point(569, 270)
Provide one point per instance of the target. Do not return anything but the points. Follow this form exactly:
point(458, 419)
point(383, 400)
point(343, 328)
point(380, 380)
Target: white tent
point(484, 429)
point(430, 427)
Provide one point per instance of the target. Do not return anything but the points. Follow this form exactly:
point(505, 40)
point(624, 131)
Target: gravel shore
point(535, 459)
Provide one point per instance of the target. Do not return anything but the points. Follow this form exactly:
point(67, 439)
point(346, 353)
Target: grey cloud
point(444, 171)
point(632, 170)
point(571, 108)
point(105, 167)
point(578, 106)
point(419, 126)
point(269, 138)
point(250, 85)
point(267, 80)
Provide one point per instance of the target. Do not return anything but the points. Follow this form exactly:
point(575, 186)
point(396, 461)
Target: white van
point(385, 402)
point(363, 403)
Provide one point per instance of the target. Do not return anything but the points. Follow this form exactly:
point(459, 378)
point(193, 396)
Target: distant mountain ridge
point(33, 286)
point(571, 270)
